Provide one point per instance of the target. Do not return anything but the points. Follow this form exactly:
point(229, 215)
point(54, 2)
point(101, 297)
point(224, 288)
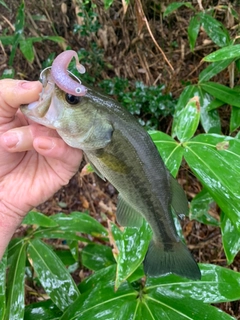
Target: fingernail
point(27, 85)
point(11, 139)
point(45, 144)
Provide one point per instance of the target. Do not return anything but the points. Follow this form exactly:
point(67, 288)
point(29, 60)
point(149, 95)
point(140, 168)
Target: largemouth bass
point(122, 152)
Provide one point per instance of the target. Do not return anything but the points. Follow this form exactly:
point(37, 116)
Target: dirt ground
point(129, 51)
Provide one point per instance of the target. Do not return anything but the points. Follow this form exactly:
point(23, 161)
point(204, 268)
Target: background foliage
point(61, 266)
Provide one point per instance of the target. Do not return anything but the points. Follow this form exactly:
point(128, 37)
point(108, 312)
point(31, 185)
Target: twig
point(157, 45)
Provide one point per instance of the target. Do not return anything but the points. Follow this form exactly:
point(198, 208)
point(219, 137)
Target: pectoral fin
point(179, 199)
point(126, 215)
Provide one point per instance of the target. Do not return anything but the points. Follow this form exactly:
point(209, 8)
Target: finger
point(21, 139)
point(13, 93)
point(57, 149)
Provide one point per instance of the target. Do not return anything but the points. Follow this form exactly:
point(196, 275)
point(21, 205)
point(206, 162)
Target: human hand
point(35, 162)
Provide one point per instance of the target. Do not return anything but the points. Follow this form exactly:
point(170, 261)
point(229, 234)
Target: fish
point(121, 151)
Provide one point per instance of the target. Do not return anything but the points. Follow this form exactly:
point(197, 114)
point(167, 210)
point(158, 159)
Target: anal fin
point(127, 216)
point(179, 198)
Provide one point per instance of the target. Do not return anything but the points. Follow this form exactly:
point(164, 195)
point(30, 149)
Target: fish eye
point(71, 99)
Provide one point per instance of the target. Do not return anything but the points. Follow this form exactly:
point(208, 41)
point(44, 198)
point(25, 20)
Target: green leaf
point(131, 248)
point(186, 95)
point(235, 119)
point(55, 233)
point(200, 207)
point(7, 40)
point(8, 74)
point(213, 69)
point(193, 30)
point(104, 276)
point(214, 104)
point(107, 3)
point(176, 5)
point(42, 310)
point(52, 274)
point(168, 297)
point(19, 29)
point(223, 93)
point(95, 256)
point(4, 4)
point(79, 222)
point(217, 285)
point(3, 269)
point(178, 307)
point(215, 30)
point(102, 302)
point(51, 38)
point(188, 120)
point(170, 150)
point(209, 120)
point(15, 285)
point(229, 52)
point(66, 257)
point(26, 46)
point(230, 238)
point(34, 217)
point(216, 162)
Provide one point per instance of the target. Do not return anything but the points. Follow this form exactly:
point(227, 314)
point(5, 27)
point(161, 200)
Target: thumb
point(13, 93)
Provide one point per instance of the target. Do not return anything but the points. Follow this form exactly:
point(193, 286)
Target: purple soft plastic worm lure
point(60, 74)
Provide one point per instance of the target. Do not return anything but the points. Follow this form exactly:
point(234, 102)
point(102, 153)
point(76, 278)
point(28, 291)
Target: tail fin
point(179, 261)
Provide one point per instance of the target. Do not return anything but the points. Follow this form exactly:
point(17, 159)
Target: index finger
point(13, 93)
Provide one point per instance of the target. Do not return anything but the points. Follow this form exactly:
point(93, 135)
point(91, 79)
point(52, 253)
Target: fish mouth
point(43, 110)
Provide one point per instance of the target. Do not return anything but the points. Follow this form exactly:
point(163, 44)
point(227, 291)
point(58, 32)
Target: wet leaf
point(38, 218)
point(193, 30)
point(188, 120)
point(209, 120)
point(215, 30)
point(180, 308)
point(215, 161)
point(3, 269)
point(79, 222)
point(170, 297)
point(52, 274)
point(55, 233)
point(170, 150)
point(105, 275)
point(230, 238)
point(214, 104)
point(42, 310)
point(102, 302)
point(132, 244)
point(187, 94)
point(229, 52)
point(223, 93)
point(217, 285)
point(200, 207)
point(213, 69)
point(15, 293)
point(95, 256)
